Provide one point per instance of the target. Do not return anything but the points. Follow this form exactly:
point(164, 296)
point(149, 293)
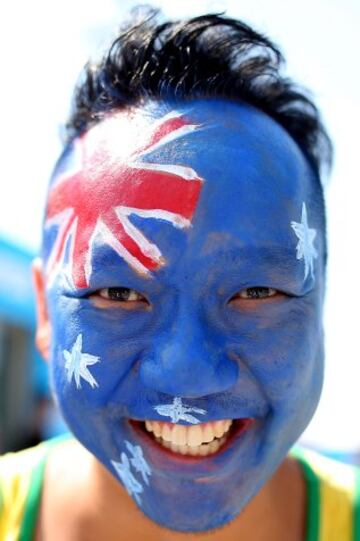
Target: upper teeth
point(189, 435)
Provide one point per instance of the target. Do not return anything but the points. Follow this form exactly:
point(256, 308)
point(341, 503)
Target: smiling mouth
point(198, 440)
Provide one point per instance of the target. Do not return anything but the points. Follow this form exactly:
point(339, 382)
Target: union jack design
point(98, 197)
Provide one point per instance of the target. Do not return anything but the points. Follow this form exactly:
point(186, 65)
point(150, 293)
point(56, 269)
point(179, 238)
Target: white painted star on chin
point(178, 411)
point(122, 469)
point(77, 364)
point(138, 461)
point(305, 248)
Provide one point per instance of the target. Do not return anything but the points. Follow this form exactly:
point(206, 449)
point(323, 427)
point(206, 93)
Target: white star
point(77, 364)
point(305, 248)
point(133, 486)
point(178, 411)
point(138, 461)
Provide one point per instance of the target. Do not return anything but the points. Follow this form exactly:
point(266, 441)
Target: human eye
point(255, 293)
point(122, 296)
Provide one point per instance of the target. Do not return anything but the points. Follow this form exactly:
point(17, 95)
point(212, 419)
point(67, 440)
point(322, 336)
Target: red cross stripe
point(99, 197)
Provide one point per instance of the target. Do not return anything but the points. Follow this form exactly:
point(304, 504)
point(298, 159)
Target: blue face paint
point(225, 324)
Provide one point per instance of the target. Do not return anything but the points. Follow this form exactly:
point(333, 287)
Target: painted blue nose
point(184, 362)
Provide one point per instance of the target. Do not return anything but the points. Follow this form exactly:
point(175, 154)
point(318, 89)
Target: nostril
point(189, 380)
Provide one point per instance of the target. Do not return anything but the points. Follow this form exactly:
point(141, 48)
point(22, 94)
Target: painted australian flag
point(99, 196)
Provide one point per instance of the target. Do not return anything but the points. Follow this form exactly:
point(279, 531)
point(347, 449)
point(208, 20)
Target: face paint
point(305, 248)
point(77, 362)
point(138, 461)
point(191, 379)
point(177, 411)
point(139, 464)
point(129, 191)
point(133, 487)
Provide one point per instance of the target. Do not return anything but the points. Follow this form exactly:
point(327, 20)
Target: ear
point(43, 329)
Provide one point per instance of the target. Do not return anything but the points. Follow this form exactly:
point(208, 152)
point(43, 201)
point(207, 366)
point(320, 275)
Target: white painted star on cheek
point(122, 469)
point(177, 411)
point(305, 248)
point(77, 362)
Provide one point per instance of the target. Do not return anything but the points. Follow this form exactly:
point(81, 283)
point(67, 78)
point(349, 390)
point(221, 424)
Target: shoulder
point(334, 494)
point(338, 478)
point(15, 477)
point(19, 473)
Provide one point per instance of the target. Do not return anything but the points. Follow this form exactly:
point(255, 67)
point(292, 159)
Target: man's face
point(184, 252)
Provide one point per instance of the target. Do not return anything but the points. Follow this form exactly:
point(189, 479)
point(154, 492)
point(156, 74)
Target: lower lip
point(237, 429)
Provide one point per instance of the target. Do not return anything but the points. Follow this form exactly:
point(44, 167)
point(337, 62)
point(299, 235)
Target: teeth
point(178, 435)
point(156, 427)
point(201, 439)
point(194, 436)
point(202, 450)
point(166, 432)
point(219, 428)
point(208, 433)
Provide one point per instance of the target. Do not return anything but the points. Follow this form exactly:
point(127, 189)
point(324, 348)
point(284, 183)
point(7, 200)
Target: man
point(180, 297)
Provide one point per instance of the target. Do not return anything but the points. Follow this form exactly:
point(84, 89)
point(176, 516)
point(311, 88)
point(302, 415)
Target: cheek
point(93, 352)
point(283, 350)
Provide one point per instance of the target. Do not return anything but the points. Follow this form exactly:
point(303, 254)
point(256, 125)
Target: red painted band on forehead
point(98, 198)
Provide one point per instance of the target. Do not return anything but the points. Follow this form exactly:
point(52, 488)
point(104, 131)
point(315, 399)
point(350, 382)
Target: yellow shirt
point(333, 497)
point(21, 479)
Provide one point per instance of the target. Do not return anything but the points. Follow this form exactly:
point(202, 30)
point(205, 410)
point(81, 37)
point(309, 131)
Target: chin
point(193, 494)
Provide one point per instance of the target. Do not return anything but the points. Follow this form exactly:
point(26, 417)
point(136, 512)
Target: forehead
point(243, 178)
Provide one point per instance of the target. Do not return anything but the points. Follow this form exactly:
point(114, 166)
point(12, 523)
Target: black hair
point(202, 57)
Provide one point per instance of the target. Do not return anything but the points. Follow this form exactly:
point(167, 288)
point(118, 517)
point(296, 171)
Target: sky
point(43, 46)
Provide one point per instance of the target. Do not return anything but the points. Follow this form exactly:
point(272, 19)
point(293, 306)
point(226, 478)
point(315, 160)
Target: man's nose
point(186, 361)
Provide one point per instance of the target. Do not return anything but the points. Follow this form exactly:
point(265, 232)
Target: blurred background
point(43, 46)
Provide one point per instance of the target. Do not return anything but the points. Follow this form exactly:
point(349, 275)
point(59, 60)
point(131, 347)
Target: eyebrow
point(274, 255)
point(278, 264)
